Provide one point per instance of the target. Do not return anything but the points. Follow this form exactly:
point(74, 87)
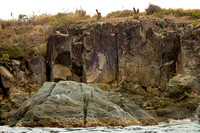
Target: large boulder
point(61, 72)
point(71, 104)
point(180, 85)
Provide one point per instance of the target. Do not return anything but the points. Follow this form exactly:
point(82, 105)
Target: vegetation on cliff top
point(28, 35)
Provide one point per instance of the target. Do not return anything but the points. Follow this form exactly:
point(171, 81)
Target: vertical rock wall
point(100, 54)
point(131, 51)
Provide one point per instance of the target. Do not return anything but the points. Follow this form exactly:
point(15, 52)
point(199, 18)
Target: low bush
point(13, 51)
point(41, 49)
point(20, 37)
point(62, 21)
point(136, 16)
point(195, 24)
point(152, 9)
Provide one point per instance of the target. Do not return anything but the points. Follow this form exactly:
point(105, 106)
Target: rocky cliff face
point(154, 62)
point(157, 59)
point(146, 52)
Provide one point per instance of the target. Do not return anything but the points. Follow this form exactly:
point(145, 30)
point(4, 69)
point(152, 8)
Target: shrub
point(196, 14)
point(19, 31)
point(124, 13)
point(81, 13)
point(39, 20)
point(62, 21)
point(136, 16)
point(152, 9)
point(13, 51)
point(22, 17)
point(41, 49)
point(195, 24)
point(158, 14)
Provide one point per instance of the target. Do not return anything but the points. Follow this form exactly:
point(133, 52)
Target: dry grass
point(192, 13)
point(21, 37)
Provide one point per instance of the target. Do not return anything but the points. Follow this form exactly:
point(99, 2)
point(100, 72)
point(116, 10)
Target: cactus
point(98, 14)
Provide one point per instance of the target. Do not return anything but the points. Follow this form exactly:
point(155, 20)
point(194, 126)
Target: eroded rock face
point(58, 52)
point(100, 54)
point(191, 53)
point(145, 57)
point(180, 84)
point(67, 103)
point(38, 68)
point(136, 52)
point(133, 51)
point(197, 112)
point(7, 78)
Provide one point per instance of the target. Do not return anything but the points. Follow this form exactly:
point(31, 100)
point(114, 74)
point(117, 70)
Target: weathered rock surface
point(190, 54)
point(197, 112)
point(140, 53)
point(61, 72)
point(67, 103)
point(180, 84)
point(6, 77)
point(58, 51)
point(155, 61)
point(4, 112)
point(38, 68)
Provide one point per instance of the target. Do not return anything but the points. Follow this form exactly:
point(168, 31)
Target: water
point(172, 127)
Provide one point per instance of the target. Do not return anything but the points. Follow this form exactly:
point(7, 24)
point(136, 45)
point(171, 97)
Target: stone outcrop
point(58, 52)
point(37, 67)
point(181, 85)
point(7, 78)
point(131, 51)
point(157, 59)
point(61, 72)
point(72, 104)
point(156, 62)
point(197, 113)
point(190, 53)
